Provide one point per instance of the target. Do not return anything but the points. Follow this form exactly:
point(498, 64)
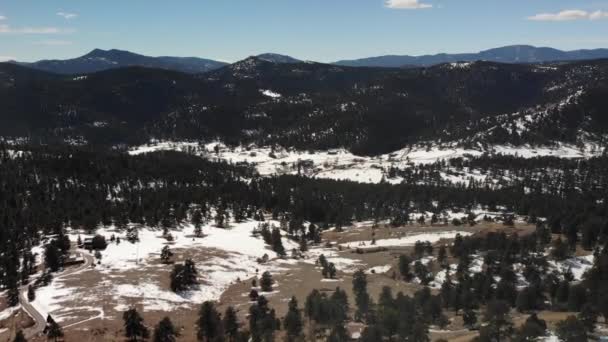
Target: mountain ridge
point(306, 105)
point(99, 60)
point(506, 54)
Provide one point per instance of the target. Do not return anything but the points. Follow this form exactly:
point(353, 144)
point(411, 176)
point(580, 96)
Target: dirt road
point(39, 319)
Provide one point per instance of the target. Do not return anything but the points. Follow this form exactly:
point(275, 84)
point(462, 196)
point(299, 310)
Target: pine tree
point(266, 282)
point(371, 333)
point(53, 330)
point(442, 255)
point(277, 243)
point(12, 295)
point(183, 277)
point(197, 221)
point(497, 318)
point(293, 320)
point(165, 331)
point(588, 316)
point(338, 334)
point(230, 324)
point(166, 254)
point(262, 321)
point(531, 330)
point(52, 257)
point(209, 323)
point(31, 293)
point(19, 337)
point(134, 326)
point(469, 318)
point(404, 267)
point(362, 300)
point(571, 330)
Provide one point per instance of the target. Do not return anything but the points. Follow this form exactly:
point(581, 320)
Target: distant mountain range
point(99, 60)
point(312, 105)
point(507, 54)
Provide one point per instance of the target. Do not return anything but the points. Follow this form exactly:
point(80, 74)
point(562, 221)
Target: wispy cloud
point(6, 58)
point(3, 17)
point(54, 42)
point(67, 15)
point(569, 15)
point(7, 29)
point(406, 4)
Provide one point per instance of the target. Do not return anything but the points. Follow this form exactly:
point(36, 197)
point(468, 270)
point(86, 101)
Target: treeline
point(45, 190)
point(554, 176)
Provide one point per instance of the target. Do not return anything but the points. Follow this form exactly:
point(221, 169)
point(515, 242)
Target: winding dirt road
point(39, 319)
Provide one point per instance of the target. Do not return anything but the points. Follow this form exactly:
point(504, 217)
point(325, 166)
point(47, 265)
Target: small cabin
point(87, 243)
point(74, 259)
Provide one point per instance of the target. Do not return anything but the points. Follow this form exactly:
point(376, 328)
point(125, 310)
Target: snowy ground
point(406, 240)
point(129, 273)
point(340, 164)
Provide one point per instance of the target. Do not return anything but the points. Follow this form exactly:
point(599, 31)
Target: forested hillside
point(311, 105)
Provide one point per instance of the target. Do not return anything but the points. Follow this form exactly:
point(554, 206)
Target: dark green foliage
point(135, 330)
point(31, 293)
point(571, 330)
point(362, 299)
point(52, 330)
point(469, 318)
point(262, 321)
point(497, 318)
point(165, 331)
point(230, 324)
point(19, 337)
point(404, 267)
point(293, 320)
point(266, 282)
point(166, 254)
point(99, 242)
point(531, 330)
point(209, 324)
point(53, 258)
point(183, 277)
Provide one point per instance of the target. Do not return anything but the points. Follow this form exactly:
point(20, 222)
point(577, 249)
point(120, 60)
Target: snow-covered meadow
point(340, 164)
point(131, 273)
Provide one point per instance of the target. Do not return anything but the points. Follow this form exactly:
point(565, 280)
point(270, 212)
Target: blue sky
point(322, 30)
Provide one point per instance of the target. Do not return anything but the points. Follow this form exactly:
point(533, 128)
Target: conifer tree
point(19, 337)
point(266, 282)
point(31, 293)
point(166, 254)
point(571, 330)
point(293, 320)
point(209, 323)
point(135, 330)
point(362, 299)
point(404, 267)
point(52, 330)
point(230, 324)
point(165, 331)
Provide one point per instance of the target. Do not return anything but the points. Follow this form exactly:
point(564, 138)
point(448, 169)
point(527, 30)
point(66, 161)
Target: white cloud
point(6, 58)
point(2, 17)
point(569, 15)
point(406, 4)
point(6, 29)
point(53, 42)
point(67, 15)
point(598, 15)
